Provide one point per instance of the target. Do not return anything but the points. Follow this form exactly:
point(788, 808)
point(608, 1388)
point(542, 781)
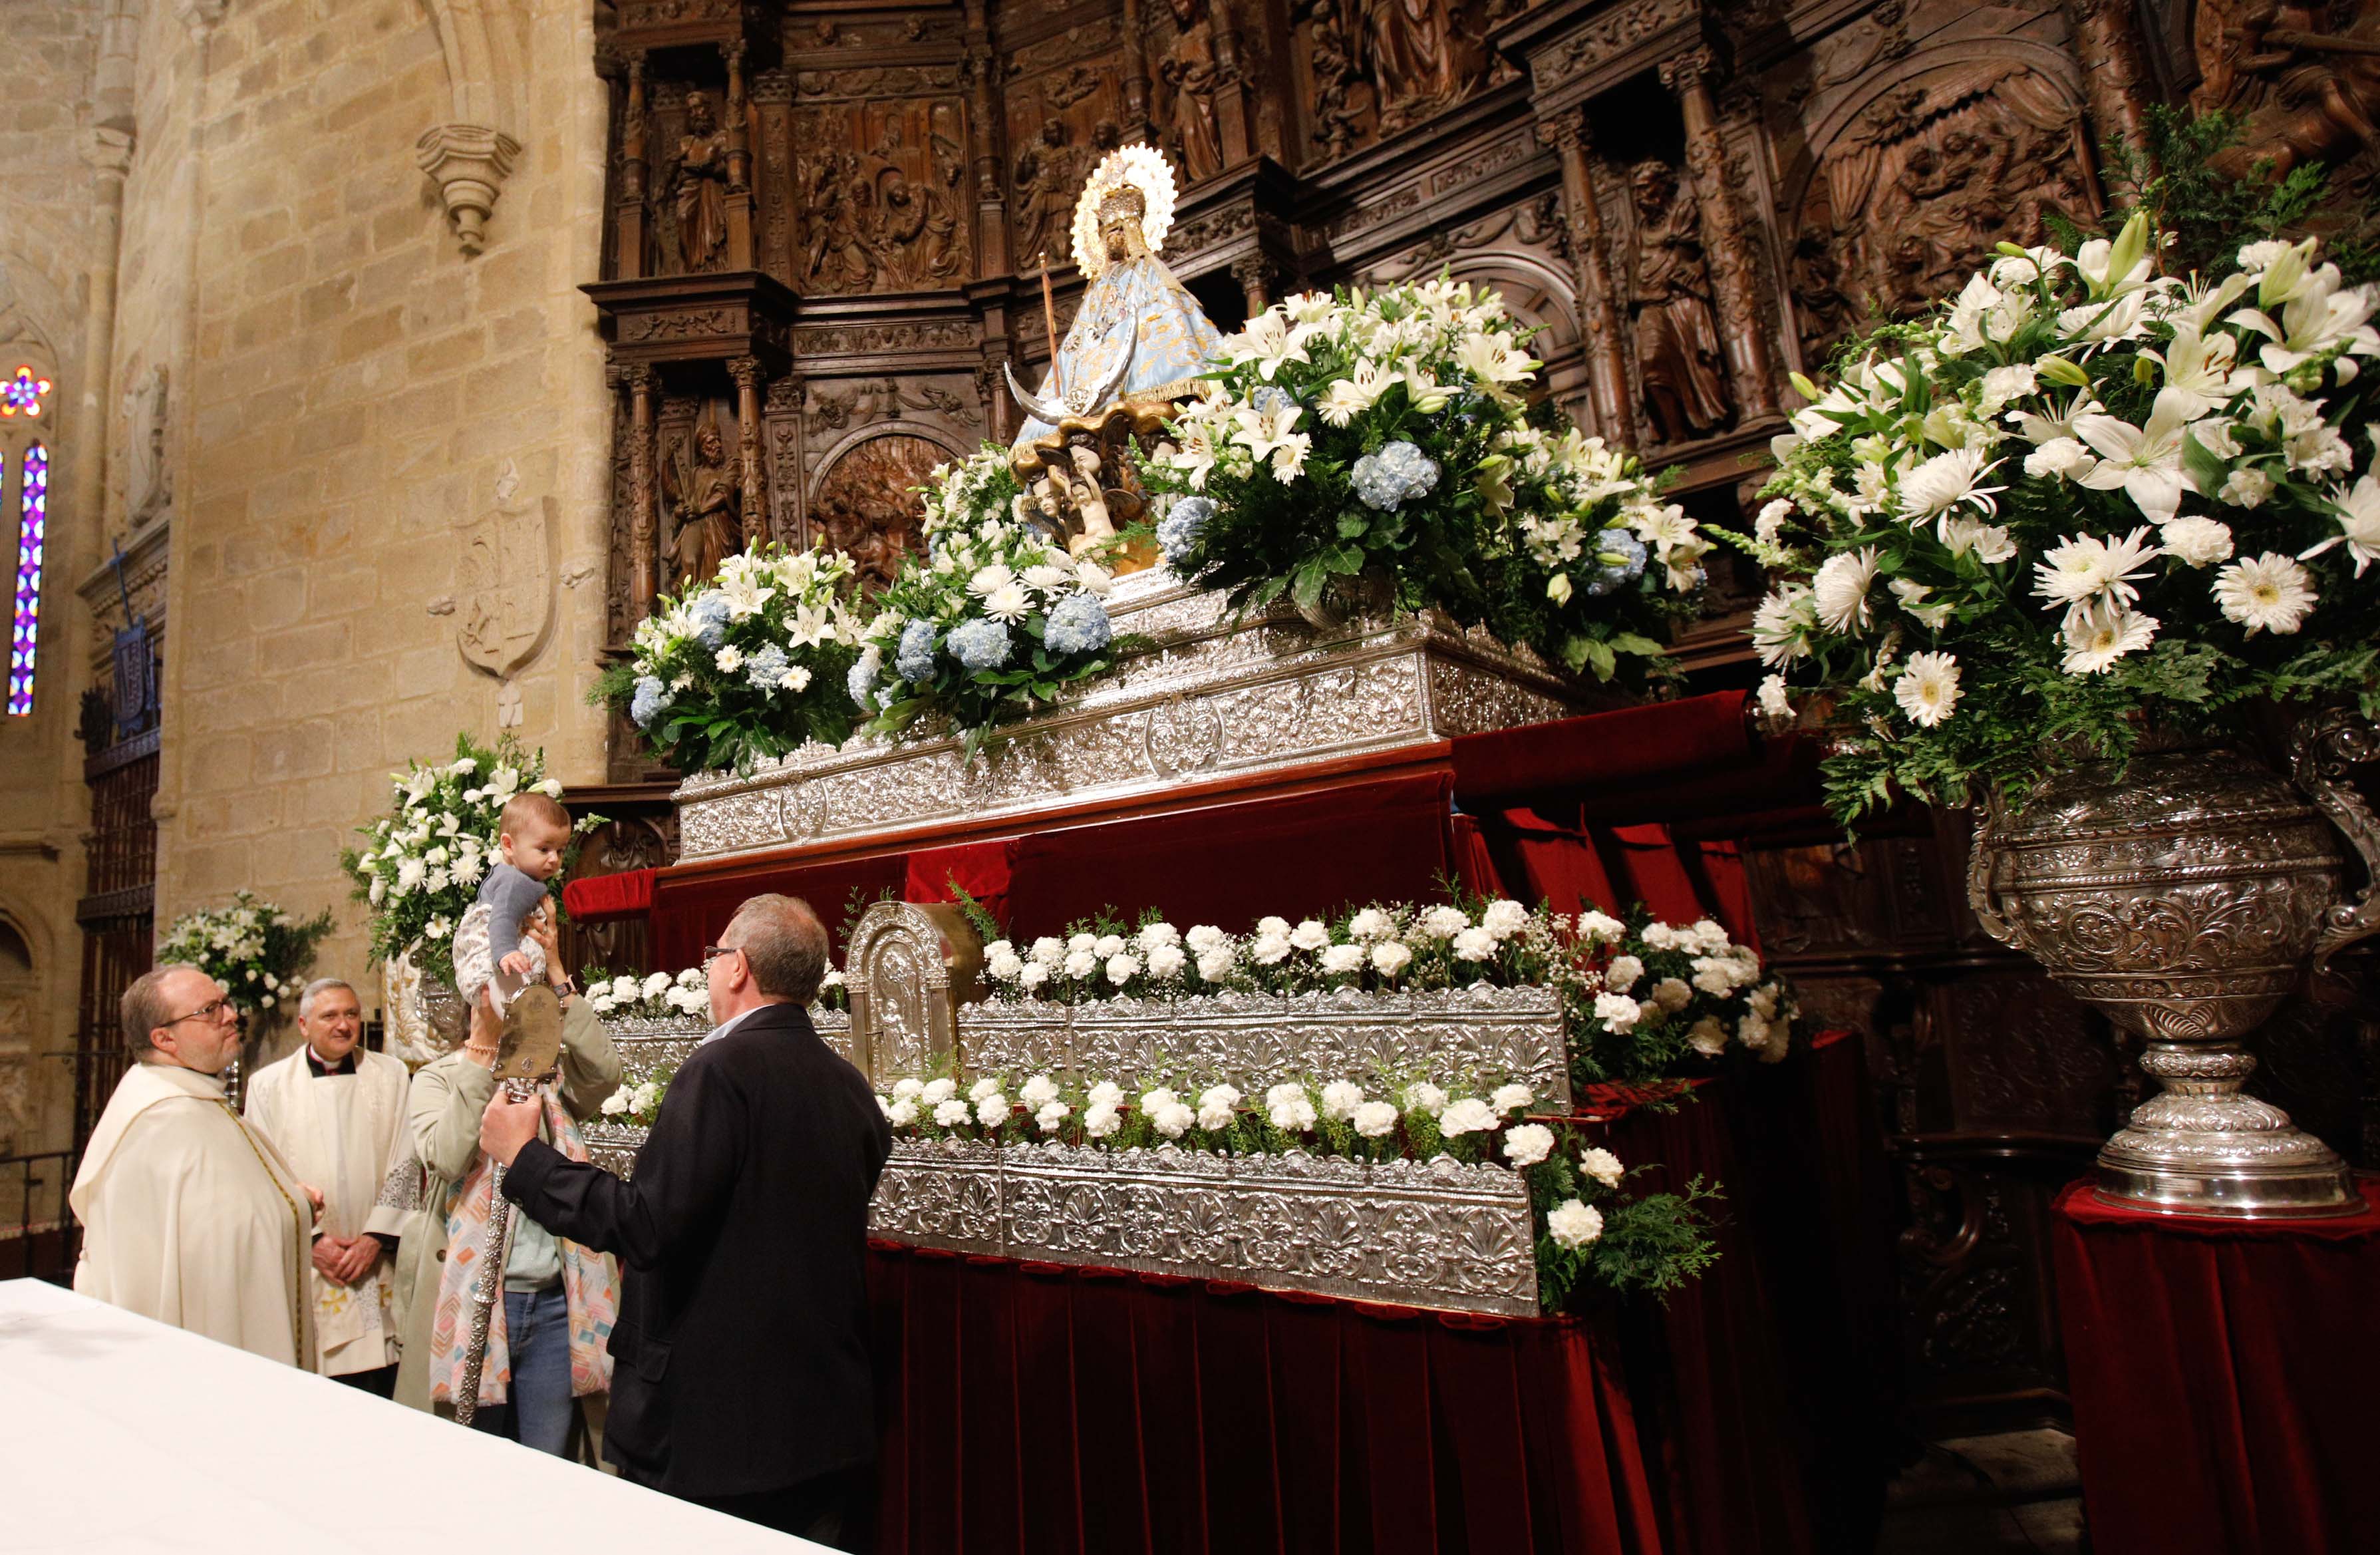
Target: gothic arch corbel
point(470, 156)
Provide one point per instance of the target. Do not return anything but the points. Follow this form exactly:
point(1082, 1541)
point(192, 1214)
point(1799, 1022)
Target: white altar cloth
point(122, 1434)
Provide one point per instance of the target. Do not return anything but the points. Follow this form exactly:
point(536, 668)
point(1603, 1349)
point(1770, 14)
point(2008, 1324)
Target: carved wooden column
point(1231, 89)
point(1598, 313)
point(740, 160)
point(631, 214)
point(746, 370)
point(1254, 272)
point(1725, 237)
point(2112, 73)
point(644, 545)
point(1136, 126)
point(990, 207)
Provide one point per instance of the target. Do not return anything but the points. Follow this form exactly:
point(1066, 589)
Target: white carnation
point(1621, 975)
point(1602, 1165)
point(1469, 1115)
point(1390, 958)
point(1340, 959)
point(1574, 1224)
point(1510, 1098)
point(1339, 1100)
point(1528, 1143)
point(1617, 1011)
point(1423, 1097)
point(1474, 944)
point(1374, 1118)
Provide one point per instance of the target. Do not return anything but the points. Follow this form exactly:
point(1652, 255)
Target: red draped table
point(2226, 1379)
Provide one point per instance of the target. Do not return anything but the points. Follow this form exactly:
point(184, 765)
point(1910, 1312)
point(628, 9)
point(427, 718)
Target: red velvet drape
point(1033, 1408)
point(2223, 1376)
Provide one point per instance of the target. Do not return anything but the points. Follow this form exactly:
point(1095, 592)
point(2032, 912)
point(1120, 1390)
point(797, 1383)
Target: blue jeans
point(539, 1406)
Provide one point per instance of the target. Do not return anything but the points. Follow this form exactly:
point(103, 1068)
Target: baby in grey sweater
point(535, 831)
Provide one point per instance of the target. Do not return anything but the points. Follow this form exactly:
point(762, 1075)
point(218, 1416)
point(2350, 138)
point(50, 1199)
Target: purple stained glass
point(32, 518)
point(23, 393)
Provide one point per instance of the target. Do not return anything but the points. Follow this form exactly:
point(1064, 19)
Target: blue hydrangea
point(1395, 475)
point(1179, 530)
point(766, 669)
point(710, 615)
point(650, 698)
point(1613, 575)
point(1078, 624)
point(864, 672)
point(1269, 396)
point(979, 644)
point(915, 661)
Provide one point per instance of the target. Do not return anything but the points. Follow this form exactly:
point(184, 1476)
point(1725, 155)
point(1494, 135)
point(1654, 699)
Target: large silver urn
point(2182, 899)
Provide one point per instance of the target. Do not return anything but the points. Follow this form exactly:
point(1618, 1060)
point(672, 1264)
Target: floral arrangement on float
point(655, 996)
point(1391, 434)
point(1641, 1001)
point(254, 948)
point(2087, 544)
point(992, 621)
point(747, 665)
point(1590, 1234)
point(420, 869)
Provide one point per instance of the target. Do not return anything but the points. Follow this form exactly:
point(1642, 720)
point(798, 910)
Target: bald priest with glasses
point(189, 1216)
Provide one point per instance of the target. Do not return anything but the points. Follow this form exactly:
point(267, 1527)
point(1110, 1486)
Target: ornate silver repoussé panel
point(1212, 699)
point(1454, 1038)
point(1418, 1233)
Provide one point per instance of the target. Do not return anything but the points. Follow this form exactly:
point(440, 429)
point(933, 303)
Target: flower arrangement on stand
point(1589, 1234)
point(639, 1105)
point(421, 867)
point(1390, 432)
point(992, 621)
point(748, 665)
point(2082, 500)
point(254, 948)
point(1672, 998)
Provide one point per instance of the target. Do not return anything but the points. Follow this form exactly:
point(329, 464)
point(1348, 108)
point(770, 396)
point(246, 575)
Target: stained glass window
point(22, 394)
point(33, 514)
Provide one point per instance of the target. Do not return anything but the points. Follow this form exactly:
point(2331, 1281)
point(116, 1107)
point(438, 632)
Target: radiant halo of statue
point(1138, 166)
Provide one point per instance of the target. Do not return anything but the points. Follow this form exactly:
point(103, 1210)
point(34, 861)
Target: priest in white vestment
point(189, 1216)
point(337, 1112)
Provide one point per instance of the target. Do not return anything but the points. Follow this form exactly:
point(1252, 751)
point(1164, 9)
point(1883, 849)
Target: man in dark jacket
point(741, 1376)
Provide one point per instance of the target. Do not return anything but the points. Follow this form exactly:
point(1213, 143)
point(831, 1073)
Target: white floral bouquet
point(2081, 500)
point(1392, 433)
point(1673, 994)
point(750, 665)
point(992, 621)
point(639, 1105)
point(655, 996)
point(1376, 948)
point(421, 869)
point(254, 948)
point(1590, 1233)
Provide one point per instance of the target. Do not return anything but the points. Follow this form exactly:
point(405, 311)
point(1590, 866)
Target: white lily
point(2142, 462)
point(2358, 512)
point(2322, 315)
point(2198, 369)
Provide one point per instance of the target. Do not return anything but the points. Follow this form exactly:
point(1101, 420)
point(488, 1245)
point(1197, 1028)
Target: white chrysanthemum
point(1573, 1223)
point(1947, 481)
point(1928, 688)
point(2087, 567)
point(1838, 592)
point(2095, 638)
point(2268, 593)
point(2197, 541)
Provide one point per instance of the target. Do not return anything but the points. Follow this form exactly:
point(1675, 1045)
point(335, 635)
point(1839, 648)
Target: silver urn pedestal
point(2181, 901)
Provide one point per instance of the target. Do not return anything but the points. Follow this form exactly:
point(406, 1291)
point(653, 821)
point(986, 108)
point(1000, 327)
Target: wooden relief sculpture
point(1909, 197)
point(2306, 79)
point(866, 507)
point(699, 187)
point(701, 496)
point(1190, 70)
point(1679, 361)
point(886, 217)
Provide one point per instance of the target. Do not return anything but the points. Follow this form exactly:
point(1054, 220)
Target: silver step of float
point(1212, 699)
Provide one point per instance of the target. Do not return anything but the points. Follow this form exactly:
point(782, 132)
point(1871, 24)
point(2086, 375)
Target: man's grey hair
point(783, 942)
point(322, 986)
point(144, 1008)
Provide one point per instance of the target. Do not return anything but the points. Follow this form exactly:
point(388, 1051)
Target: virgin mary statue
point(1138, 336)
